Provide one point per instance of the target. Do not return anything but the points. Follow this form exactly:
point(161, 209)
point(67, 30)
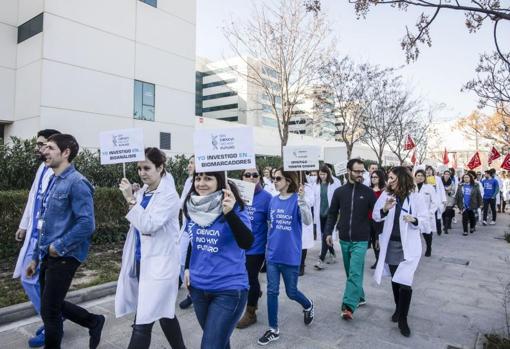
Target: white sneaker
point(454, 220)
point(484, 222)
point(492, 223)
point(319, 265)
point(331, 259)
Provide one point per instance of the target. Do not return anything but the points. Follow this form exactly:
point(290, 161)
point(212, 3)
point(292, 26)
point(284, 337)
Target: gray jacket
point(476, 197)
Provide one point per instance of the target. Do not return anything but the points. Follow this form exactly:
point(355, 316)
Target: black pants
point(55, 277)
point(492, 203)
point(438, 223)
point(325, 247)
point(253, 264)
point(468, 216)
point(447, 216)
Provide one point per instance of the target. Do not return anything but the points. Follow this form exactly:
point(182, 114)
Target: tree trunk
point(349, 148)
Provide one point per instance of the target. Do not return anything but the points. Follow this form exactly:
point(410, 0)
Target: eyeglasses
point(374, 177)
point(251, 175)
point(358, 172)
point(278, 178)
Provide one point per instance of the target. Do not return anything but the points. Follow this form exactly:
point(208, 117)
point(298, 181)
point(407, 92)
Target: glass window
point(165, 141)
point(219, 95)
point(153, 3)
point(269, 122)
point(30, 28)
point(144, 101)
point(220, 107)
point(230, 118)
point(218, 83)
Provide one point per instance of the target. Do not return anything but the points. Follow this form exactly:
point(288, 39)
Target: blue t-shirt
point(490, 186)
point(37, 205)
point(466, 190)
point(217, 262)
point(284, 237)
point(138, 246)
point(258, 214)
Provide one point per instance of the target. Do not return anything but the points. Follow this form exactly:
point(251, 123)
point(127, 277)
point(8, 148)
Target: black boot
point(428, 241)
point(396, 295)
point(405, 294)
point(376, 252)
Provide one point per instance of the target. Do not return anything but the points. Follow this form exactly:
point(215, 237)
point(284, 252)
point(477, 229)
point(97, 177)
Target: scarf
point(204, 210)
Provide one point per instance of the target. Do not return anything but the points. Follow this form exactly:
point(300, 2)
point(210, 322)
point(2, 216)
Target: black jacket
point(353, 202)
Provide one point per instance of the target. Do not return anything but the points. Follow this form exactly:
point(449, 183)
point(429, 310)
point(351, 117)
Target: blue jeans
point(31, 285)
point(218, 313)
point(290, 275)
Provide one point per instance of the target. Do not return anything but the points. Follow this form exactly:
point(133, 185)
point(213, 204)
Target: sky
point(437, 76)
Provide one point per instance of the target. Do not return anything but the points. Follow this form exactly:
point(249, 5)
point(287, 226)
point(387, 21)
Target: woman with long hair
point(405, 217)
point(469, 200)
point(324, 190)
point(428, 194)
point(258, 213)
point(148, 279)
point(377, 183)
point(220, 232)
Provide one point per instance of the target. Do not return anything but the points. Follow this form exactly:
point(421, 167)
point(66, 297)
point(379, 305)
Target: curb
point(25, 310)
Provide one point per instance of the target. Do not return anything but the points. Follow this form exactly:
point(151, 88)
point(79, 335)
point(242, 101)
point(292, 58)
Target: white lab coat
point(183, 237)
point(27, 219)
point(428, 195)
point(409, 234)
point(154, 296)
point(307, 236)
point(317, 202)
point(441, 196)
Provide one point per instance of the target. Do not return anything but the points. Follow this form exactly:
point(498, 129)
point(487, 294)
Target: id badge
point(40, 223)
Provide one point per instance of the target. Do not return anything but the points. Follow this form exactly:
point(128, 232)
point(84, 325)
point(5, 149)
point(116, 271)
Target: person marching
point(378, 183)
point(29, 232)
point(490, 192)
point(449, 187)
point(148, 279)
point(220, 232)
point(428, 194)
point(404, 215)
point(288, 211)
point(258, 213)
point(437, 183)
point(324, 190)
point(469, 200)
point(184, 237)
point(307, 238)
point(353, 201)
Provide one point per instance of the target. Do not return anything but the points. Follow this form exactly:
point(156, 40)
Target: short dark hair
point(382, 179)
point(293, 179)
point(65, 141)
point(420, 171)
point(351, 163)
point(47, 133)
point(157, 157)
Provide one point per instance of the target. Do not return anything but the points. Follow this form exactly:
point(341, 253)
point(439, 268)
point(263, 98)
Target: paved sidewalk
point(451, 304)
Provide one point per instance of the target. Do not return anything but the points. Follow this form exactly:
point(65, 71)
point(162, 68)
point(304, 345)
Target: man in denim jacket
point(66, 223)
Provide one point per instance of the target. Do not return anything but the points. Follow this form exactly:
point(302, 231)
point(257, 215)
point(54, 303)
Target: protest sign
point(121, 146)
point(340, 168)
point(335, 155)
point(301, 157)
point(246, 190)
point(225, 149)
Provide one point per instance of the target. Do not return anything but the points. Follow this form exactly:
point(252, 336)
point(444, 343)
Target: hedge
point(109, 206)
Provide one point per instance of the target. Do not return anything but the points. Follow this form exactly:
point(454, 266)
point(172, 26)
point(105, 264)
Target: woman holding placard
point(220, 231)
point(288, 212)
point(149, 273)
point(258, 213)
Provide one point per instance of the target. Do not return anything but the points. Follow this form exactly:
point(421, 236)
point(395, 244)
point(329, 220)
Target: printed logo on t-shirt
point(280, 220)
point(251, 211)
point(207, 240)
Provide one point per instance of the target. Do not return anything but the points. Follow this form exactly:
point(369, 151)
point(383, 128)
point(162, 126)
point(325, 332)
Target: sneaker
point(465, 233)
point(331, 259)
point(492, 223)
point(308, 314)
point(186, 303)
point(362, 302)
point(38, 340)
point(346, 314)
point(39, 330)
point(454, 220)
point(268, 337)
point(319, 265)
point(95, 332)
point(484, 222)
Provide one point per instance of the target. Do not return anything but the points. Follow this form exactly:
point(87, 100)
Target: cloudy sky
point(437, 76)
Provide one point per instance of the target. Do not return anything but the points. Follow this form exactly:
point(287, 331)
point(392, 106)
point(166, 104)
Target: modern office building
point(89, 66)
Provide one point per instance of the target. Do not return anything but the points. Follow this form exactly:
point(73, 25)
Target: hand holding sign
point(126, 189)
point(228, 202)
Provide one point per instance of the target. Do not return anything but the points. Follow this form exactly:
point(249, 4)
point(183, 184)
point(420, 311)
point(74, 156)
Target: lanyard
point(403, 209)
point(46, 196)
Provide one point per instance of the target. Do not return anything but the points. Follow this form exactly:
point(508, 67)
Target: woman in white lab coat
point(405, 216)
point(429, 199)
point(148, 279)
point(438, 185)
point(307, 239)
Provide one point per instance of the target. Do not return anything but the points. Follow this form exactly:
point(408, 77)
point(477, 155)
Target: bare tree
point(476, 11)
point(350, 85)
point(286, 42)
point(485, 129)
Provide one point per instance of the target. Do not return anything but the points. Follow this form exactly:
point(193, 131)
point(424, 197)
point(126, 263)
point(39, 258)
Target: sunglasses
point(278, 178)
point(251, 175)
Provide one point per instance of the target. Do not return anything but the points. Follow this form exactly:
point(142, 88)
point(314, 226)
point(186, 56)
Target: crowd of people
point(210, 241)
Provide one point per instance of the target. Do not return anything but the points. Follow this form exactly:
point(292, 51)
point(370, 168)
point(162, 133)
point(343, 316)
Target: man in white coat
point(29, 233)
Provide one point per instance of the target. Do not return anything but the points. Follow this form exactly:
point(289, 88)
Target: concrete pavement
point(452, 302)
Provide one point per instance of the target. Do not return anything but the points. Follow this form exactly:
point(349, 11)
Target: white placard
point(301, 157)
point(340, 168)
point(246, 190)
point(224, 149)
point(335, 155)
point(121, 146)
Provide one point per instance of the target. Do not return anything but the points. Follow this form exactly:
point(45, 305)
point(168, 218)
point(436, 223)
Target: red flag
point(506, 163)
point(494, 155)
point(409, 143)
point(446, 160)
point(413, 158)
point(474, 162)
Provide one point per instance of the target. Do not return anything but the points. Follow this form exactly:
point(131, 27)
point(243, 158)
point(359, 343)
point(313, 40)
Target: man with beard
point(352, 201)
point(28, 231)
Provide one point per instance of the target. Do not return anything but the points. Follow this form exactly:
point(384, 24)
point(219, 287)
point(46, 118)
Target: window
point(220, 107)
point(219, 95)
point(269, 122)
point(30, 28)
point(165, 141)
point(230, 118)
point(153, 3)
point(218, 83)
point(267, 108)
point(144, 101)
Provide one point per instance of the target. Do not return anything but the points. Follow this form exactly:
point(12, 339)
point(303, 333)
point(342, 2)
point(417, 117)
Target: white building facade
point(83, 67)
